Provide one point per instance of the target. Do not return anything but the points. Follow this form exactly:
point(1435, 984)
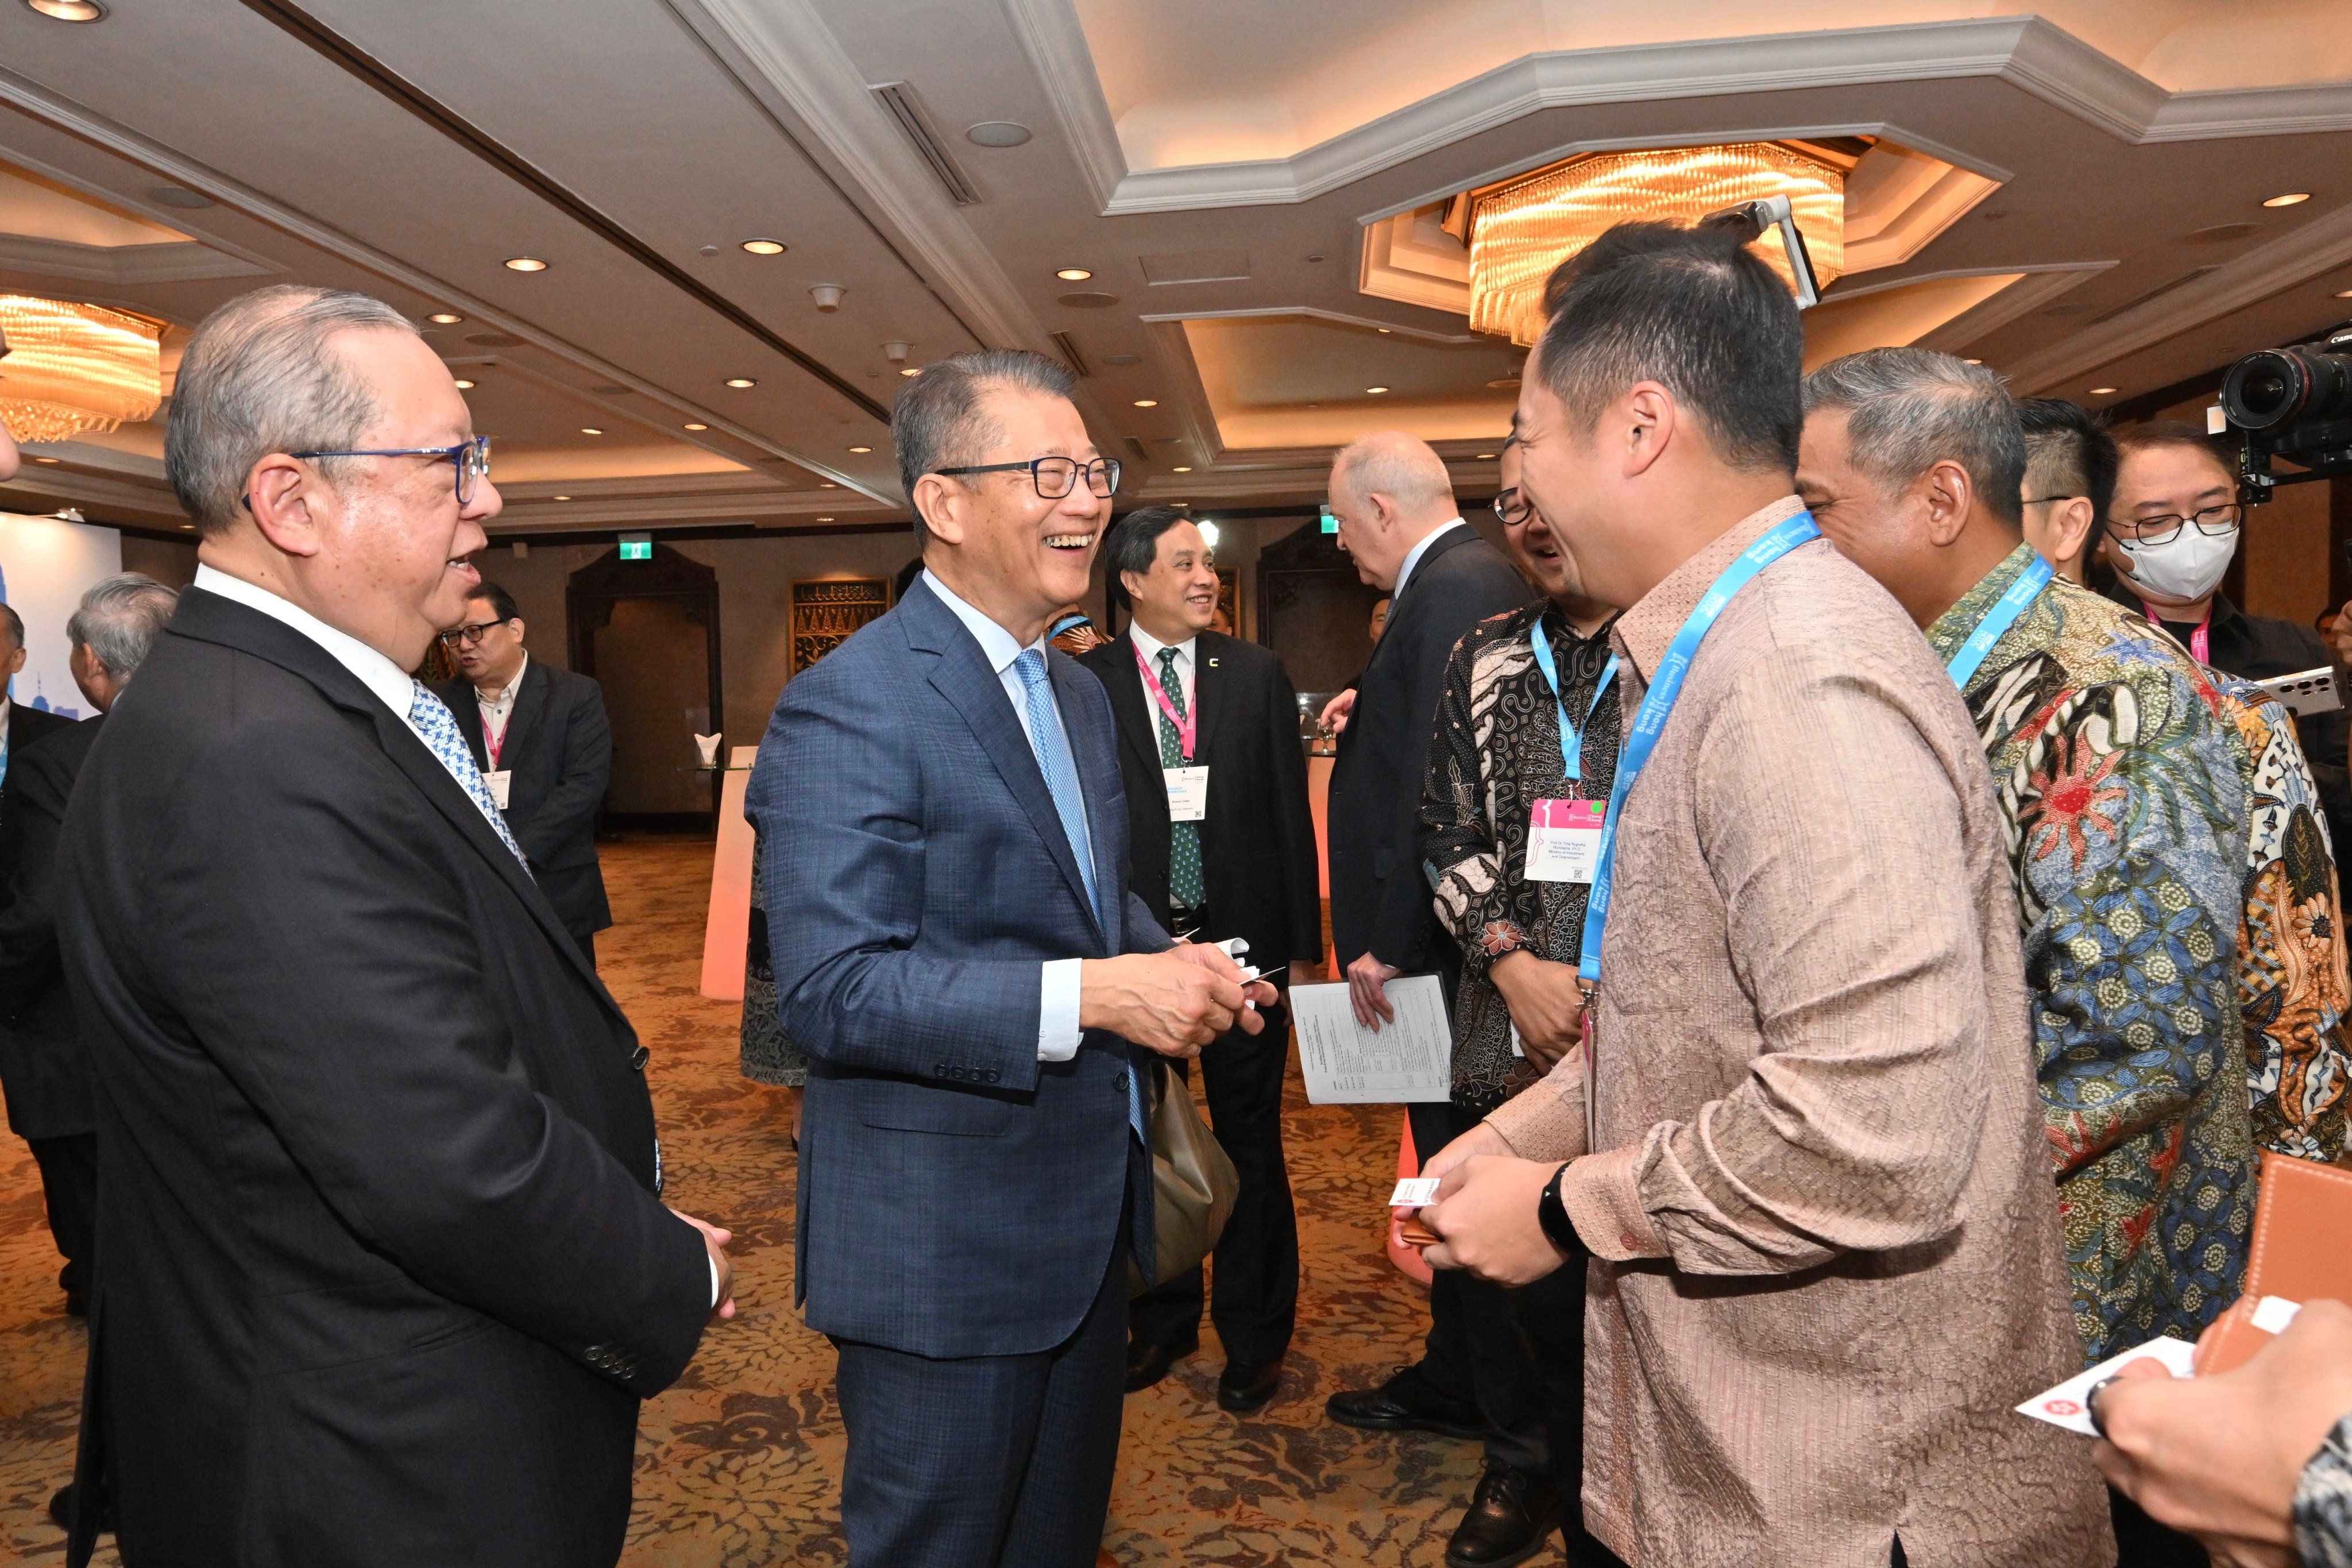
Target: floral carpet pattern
point(739, 1464)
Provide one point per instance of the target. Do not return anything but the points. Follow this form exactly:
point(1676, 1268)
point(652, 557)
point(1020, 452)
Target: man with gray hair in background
point(2114, 772)
point(387, 1269)
point(42, 1064)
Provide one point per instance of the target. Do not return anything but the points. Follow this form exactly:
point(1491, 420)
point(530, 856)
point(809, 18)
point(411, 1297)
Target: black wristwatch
point(1552, 1214)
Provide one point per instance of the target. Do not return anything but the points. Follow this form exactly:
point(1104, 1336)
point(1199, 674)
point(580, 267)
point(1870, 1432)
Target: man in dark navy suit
point(956, 949)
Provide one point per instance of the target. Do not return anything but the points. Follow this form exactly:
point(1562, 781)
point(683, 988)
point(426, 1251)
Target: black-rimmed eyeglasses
point(470, 636)
point(2213, 522)
point(1054, 476)
point(472, 458)
point(1511, 508)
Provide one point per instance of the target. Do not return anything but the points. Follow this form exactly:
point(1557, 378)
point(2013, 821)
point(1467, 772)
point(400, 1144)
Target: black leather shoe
point(61, 1506)
point(1148, 1361)
point(1510, 1517)
point(1406, 1402)
point(1245, 1385)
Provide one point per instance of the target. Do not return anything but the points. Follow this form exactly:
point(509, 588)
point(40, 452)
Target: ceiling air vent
point(898, 100)
point(1069, 352)
point(2157, 293)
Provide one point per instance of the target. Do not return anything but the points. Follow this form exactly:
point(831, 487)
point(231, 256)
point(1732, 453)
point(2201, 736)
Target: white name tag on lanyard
point(1564, 840)
point(499, 783)
point(1188, 793)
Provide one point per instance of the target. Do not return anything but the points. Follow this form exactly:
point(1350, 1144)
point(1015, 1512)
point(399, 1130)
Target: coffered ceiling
point(2074, 197)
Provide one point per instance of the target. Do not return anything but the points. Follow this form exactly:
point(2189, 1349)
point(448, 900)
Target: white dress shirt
point(1057, 1004)
point(1412, 557)
point(6, 708)
point(1150, 646)
point(392, 685)
point(496, 711)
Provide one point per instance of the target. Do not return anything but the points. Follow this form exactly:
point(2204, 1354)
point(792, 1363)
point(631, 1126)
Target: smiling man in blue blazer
point(945, 835)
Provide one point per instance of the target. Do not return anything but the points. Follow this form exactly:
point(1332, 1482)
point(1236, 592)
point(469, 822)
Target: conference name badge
point(1564, 840)
point(499, 783)
point(1188, 793)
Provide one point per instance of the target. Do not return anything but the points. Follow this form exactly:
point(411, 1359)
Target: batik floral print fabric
point(1495, 752)
point(2292, 986)
point(2119, 782)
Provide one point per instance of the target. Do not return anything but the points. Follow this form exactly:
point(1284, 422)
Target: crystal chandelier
point(71, 368)
point(1522, 228)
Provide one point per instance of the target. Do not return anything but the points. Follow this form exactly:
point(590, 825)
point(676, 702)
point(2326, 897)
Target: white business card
point(2067, 1405)
point(1413, 1192)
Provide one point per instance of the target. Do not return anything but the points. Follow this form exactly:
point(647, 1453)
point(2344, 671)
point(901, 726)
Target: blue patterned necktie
point(438, 730)
point(1055, 761)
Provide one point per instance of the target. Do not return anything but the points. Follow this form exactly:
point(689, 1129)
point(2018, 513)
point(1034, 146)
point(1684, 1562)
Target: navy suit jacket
point(958, 1196)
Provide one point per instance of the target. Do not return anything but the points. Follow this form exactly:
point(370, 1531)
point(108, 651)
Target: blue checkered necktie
point(438, 730)
point(1055, 761)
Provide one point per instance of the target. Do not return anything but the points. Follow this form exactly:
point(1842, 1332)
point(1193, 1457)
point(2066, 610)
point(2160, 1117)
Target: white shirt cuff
point(1057, 1011)
point(714, 1281)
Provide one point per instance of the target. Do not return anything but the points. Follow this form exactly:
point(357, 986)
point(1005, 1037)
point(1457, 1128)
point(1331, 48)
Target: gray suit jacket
point(958, 1196)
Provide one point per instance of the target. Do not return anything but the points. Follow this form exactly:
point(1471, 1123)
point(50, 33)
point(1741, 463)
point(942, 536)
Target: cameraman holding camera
point(2170, 535)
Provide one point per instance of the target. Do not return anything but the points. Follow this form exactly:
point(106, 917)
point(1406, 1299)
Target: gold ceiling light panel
point(71, 368)
point(1522, 228)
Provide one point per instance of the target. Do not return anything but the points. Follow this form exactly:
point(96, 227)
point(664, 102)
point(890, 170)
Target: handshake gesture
point(1172, 1003)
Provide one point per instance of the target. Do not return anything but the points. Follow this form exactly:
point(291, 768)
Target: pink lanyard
point(2200, 647)
point(495, 745)
point(1186, 722)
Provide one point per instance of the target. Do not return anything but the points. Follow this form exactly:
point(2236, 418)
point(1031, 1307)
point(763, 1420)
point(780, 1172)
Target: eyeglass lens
point(473, 463)
point(2213, 522)
point(1055, 475)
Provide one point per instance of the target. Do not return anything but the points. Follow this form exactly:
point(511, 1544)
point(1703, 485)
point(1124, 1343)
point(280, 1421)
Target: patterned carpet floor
point(739, 1465)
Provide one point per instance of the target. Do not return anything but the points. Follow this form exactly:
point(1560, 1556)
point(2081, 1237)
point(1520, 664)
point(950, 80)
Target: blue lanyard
point(1572, 736)
point(1659, 702)
point(1998, 620)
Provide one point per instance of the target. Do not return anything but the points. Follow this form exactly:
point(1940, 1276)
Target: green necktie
point(1184, 882)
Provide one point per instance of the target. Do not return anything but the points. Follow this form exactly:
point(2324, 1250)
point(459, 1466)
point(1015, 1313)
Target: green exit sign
point(1330, 524)
point(636, 547)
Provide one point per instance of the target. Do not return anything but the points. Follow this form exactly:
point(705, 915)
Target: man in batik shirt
point(2291, 972)
point(2118, 772)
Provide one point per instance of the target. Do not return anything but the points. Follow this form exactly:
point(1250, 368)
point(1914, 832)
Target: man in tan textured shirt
point(1825, 1255)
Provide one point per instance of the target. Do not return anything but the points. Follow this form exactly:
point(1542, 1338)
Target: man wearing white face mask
point(2171, 532)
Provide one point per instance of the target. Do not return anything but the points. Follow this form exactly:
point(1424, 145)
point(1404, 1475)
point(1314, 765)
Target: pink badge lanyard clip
point(2201, 646)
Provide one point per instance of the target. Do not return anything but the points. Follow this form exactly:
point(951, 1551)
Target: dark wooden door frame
point(591, 593)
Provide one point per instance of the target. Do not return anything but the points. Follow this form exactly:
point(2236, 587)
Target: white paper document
point(2067, 1405)
point(1347, 1064)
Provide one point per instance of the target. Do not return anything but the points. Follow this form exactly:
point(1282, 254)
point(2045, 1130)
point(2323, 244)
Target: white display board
point(45, 566)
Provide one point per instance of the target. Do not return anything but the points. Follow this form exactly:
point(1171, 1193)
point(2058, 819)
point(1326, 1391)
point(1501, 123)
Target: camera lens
point(2269, 388)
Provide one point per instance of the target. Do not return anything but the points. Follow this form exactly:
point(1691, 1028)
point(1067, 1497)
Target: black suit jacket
point(42, 1064)
point(1257, 843)
point(1380, 899)
point(560, 749)
point(28, 727)
point(385, 1274)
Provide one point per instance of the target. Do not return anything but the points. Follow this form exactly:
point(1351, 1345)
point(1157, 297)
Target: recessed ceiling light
point(562, 498)
point(187, 528)
point(48, 459)
point(589, 430)
point(824, 520)
point(70, 10)
point(739, 381)
point(764, 246)
point(911, 370)
point(465, 385)
point(1179, 468)
point(1972, 361)
point(1376, 390)
point(826, 485)
point(2102, 391)
point(2292, 198)
point(1484, 457)
point(1382, 331)
point(1146, 403)
point(997, 133)
point(525, 264)
point(861, 448)
point(696, 425)
point(2344, 293)
point(444, 318)
point(1073, 274)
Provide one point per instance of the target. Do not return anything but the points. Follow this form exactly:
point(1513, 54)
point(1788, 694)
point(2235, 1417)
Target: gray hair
point(1907, 409)
point(119, 619)
point(939, 422)
point(1403, 468)
point(16, 624)
point(258, 377)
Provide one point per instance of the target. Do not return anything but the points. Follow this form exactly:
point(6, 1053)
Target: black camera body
point(2291, 402)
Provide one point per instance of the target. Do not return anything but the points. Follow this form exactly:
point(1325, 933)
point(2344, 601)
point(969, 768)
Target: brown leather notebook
point(2302, 1252)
